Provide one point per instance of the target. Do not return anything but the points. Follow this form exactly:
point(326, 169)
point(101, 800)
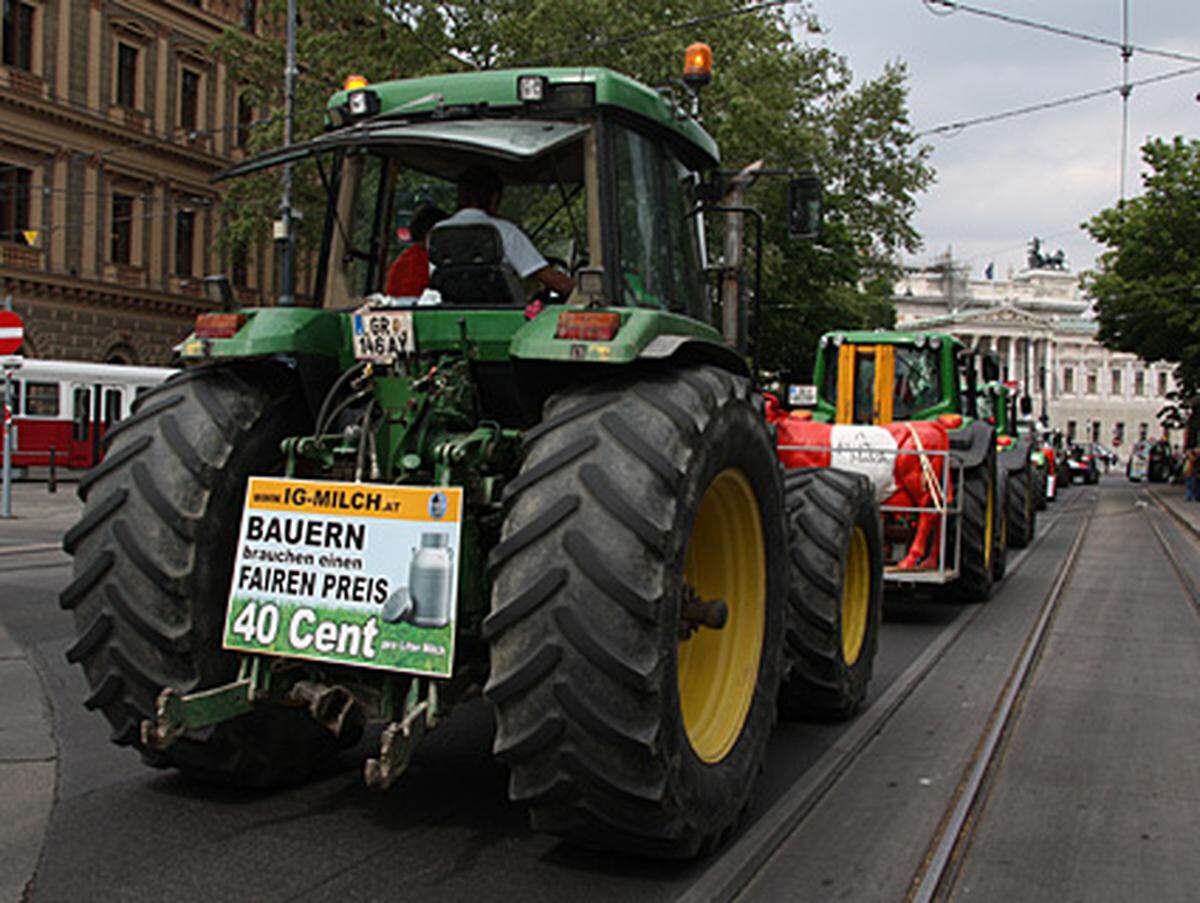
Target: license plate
point(383, 335)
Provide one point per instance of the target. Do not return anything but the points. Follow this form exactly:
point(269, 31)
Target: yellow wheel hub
point(856, 597)
point(718, 669)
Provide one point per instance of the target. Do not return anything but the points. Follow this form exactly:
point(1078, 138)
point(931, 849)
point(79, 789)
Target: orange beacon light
point(697, 65)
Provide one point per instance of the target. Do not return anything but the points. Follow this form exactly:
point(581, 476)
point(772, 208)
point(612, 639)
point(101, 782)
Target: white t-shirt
point(519, 251)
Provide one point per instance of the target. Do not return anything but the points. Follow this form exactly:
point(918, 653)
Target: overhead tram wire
point(1126, 90)
point(948, 7)
point(954, 127)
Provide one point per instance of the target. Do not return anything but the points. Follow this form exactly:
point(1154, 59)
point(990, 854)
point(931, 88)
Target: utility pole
point(731, 278)
point(6, 476)
point(285, 229)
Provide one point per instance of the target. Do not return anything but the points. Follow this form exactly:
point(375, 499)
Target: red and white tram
point(68, 405)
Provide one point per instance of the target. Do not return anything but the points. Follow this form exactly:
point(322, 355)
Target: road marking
point(24, 550)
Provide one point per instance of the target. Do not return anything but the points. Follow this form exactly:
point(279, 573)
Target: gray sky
point(998, 184)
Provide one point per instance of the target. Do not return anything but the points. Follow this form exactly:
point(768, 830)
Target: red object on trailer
point(12, 332)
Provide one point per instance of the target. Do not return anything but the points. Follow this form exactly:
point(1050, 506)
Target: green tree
point(1147, 283)
point(775, 97)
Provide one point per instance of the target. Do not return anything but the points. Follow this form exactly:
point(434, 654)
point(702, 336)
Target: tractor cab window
point(659, 243)
point(917, 381)
point(987, 406)
point(381, 191)
point(864, 387)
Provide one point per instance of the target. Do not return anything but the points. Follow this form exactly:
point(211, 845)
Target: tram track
point(12, 558)
point(737, 867)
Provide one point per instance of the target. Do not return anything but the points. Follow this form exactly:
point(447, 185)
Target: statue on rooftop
point(1039, 261)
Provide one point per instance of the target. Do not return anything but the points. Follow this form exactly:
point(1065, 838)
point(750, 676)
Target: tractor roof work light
point(697, 65)
point(360, 100)
point(531, 88)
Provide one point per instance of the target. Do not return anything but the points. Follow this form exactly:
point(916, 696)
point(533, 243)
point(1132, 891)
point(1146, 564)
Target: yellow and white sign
point(353, 573)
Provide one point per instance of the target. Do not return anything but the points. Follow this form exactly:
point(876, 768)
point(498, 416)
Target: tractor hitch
point(400, 738)
point(177, 713)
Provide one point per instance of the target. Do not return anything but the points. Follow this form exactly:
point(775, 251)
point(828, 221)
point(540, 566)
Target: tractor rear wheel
point(980, 505)
point(643, 509)
point(153, 556)
point(1022, 507)
point(835, 598)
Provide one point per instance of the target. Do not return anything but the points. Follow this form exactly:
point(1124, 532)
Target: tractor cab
point(880, 377)
point(598, 171)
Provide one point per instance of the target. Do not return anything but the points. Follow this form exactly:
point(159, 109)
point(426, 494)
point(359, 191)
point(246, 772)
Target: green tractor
point(376, 507)
point(882, 377)
point(1000, 405)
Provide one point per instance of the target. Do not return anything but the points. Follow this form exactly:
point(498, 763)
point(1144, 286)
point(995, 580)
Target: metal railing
point(845, 457)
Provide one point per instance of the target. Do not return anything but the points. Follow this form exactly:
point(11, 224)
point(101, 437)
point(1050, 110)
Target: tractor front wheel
point(836, 592)
point(638, 611)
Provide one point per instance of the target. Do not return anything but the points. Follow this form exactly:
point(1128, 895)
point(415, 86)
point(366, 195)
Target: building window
point(1118, 434)
point(1139, 383)
point(185, 242)
point(245, 117)
point(1095, 430)
point(14, 202)
point(189, 100)
point(1116, 381)
point(1162, 384)
point(1069, 380)
point(1143, 430)
point(18, 35)
point(1070, 430)
point(122, 229)
point(1092, 382)
point(127, 68)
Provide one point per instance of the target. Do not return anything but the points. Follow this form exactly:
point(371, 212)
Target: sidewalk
point(39, 516)
point(1173, 497)
point(28, 762)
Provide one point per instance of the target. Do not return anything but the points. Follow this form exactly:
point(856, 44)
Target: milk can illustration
point(429, 578)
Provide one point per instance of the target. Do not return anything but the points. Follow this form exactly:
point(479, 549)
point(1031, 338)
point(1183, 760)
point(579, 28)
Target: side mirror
point(1026, 404)
point(804, 207)
point(991, 367)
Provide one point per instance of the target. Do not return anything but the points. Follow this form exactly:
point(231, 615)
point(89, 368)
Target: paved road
point(446, 831)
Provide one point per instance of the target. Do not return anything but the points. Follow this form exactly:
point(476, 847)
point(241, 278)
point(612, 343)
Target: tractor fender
point(1015, 458)
point(690, 349)
point(971, 444)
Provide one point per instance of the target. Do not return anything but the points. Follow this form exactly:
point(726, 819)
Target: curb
point(28, 769)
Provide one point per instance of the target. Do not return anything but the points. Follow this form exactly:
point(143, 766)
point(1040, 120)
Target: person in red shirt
point(408, 276)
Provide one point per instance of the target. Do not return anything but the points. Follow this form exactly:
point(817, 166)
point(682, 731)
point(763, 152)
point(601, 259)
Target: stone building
point(1044, 333)
point(113, 118)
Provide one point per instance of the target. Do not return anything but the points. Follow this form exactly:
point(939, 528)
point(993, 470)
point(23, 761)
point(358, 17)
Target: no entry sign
point(12, 332)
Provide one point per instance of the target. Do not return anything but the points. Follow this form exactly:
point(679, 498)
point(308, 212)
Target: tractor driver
point(479, 191)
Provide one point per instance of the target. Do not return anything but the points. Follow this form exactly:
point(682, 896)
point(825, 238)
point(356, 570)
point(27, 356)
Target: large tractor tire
point(835, 599)
point(1000, 551)
point(1021, 507)
point(153, 556)
point(625, 724)
point(1040, 489)
point(980, 522)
